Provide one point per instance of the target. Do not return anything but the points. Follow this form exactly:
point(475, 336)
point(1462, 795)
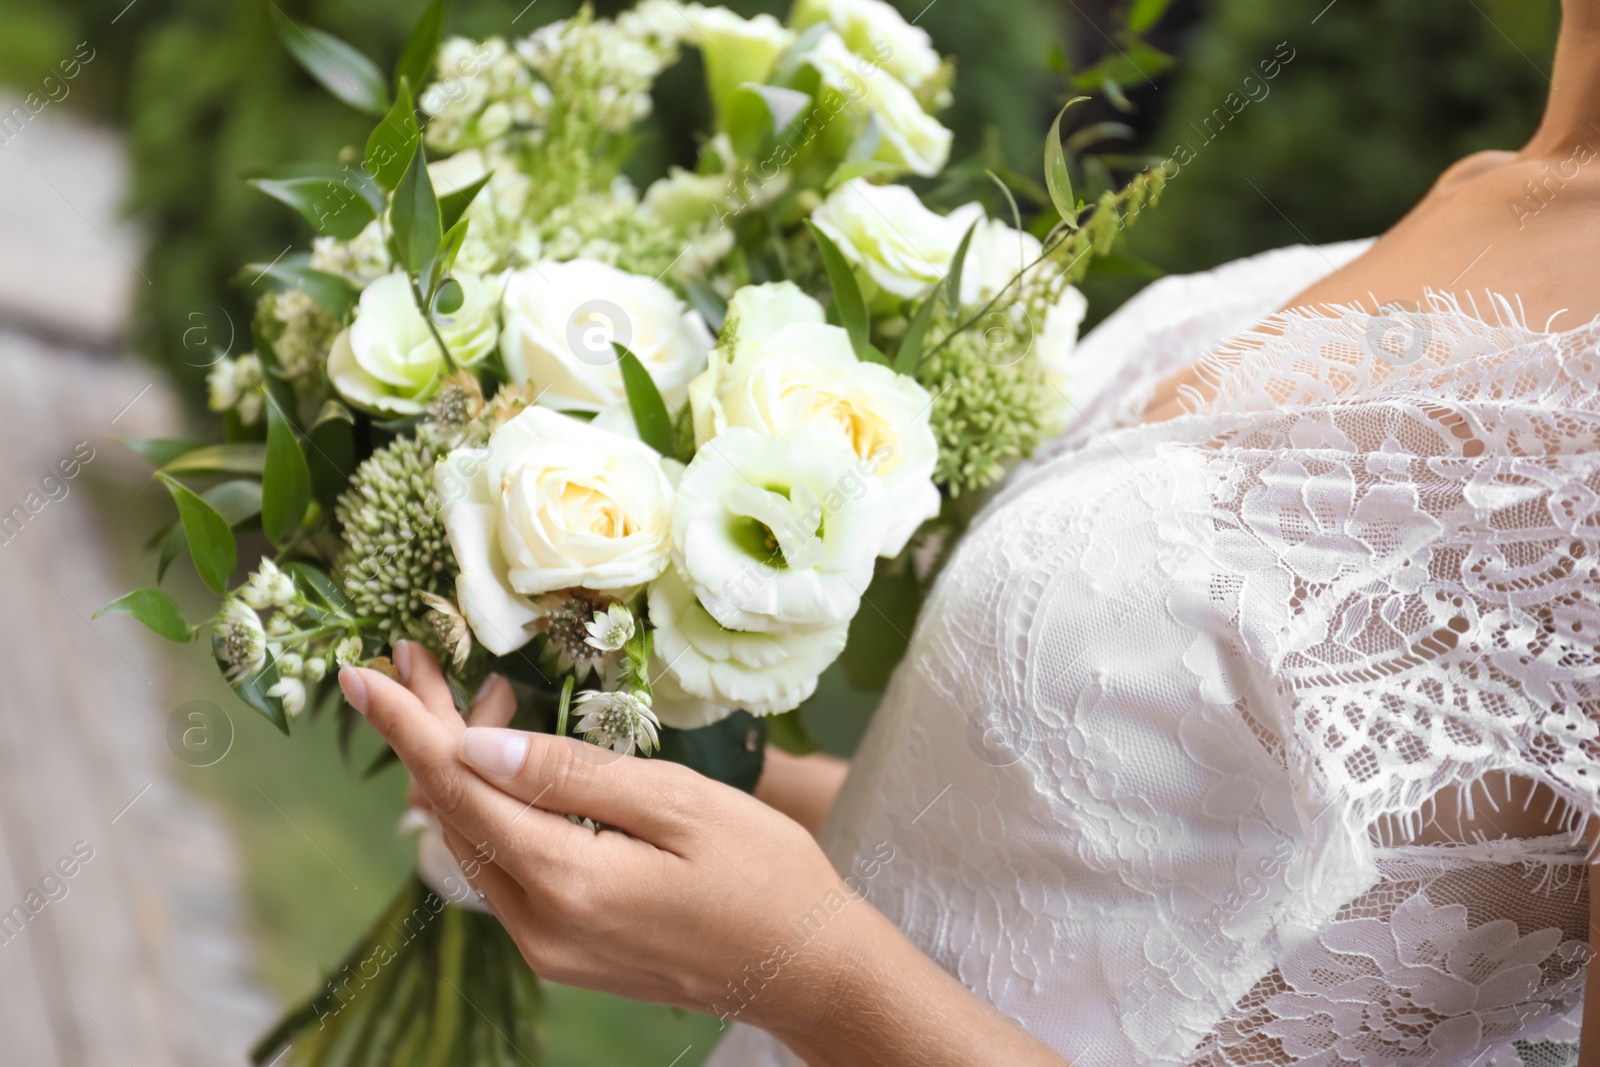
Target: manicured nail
point(355, 688)
point(402, 661)
point(494, 752)
point(485, 689)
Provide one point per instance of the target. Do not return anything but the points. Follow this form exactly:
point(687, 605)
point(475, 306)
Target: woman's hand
point(802, 787)
point(701, 897)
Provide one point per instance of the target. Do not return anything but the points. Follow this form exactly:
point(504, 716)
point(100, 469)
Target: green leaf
point(788, 732)
point(858, 168)
point(909, 355)
point(449, 298)
point(285, 480)
point(392, 141)
point(706, 300)
point(416, 58)
point(159, 451)
point(331, 452)
point(1132, 62)
point(238, 501)
point(331, 198)
point(1146, 13)
point(1056, 178)
point(342, 70)
point(246, 457)
point(564, 708)
point(153, 608)
point(847, 299)
point(731, 751)
point(454, 205)
point(449, 248)
point(878, 633)
point(952, 281)
point(333, 293)
point(644, 400)
point(210, 537)
point(414, 216)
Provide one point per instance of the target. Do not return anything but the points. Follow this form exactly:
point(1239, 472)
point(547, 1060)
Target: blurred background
point(216, 894)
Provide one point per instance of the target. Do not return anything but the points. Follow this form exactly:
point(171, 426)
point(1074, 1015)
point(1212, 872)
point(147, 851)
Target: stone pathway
point(120, 933)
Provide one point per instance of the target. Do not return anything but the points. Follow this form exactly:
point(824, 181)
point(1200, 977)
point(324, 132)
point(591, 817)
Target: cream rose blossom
point(388, 361)
point(551, 503)
point(891, 238)
point(910, 137)
point(785, 368)
point(875, 30)
point(562, 320)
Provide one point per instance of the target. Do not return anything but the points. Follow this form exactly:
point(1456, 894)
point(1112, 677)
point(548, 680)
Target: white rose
point(1057, 343)
point(388, 361)
point(996, 256)
point(886, 232)
point(876, 31)
point(551, 503)
point(786, 369)
point(704, 671)
point(777, 532)
point(735, 49)
point(911, 138)
point(561, 320)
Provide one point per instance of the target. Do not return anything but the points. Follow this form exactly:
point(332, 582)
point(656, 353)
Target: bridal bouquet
point(645, 455)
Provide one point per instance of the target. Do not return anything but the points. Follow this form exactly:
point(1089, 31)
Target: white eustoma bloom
point(562, 320)
point(910, 137)
point(704, 671)
point(777, 532)
point(783, 367)
point(387, 361)
point(891, 237)
point(997, 254)
point(735, 49)
point(876, 31)
point(550, 503)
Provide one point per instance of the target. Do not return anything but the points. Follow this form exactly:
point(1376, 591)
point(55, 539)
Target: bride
point(1255, 722)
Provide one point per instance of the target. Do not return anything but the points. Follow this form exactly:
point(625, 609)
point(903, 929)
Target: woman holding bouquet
point(1256, 722)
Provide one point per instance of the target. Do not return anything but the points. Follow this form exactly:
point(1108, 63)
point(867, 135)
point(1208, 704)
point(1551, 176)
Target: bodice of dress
point(1175, 675)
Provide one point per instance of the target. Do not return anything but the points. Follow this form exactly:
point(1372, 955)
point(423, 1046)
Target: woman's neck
point(1572, 115)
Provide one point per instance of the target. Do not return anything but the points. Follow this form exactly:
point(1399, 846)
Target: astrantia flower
point(564, 619)
point(292, 691)
point(348, 651)
point(268, 587)
point(619, 721)
point(611, 628)
point(449, 628)
point(774, 532)
point(394, 540)
point(240, 641)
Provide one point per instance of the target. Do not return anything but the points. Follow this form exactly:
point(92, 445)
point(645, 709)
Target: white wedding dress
point(1178, 678)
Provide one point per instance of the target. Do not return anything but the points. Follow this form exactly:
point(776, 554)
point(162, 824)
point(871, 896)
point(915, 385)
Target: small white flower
point(450, 626)
point(232, 386)
point(619, 721)
point(269, 587)
point(292, 691)
point(611, 628)
point(290, 663)
point(241, 642)
point(316, 667)
point(348, 651)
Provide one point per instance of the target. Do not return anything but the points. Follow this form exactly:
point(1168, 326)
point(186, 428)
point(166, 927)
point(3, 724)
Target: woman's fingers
point(494, 705)
point(420, 673)
point(652, 801)
point(497, 888)
point(429, 748)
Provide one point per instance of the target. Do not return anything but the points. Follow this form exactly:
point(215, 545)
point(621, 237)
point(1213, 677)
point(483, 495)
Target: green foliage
point(209, 535)
point(644, 401)
point(155, 609)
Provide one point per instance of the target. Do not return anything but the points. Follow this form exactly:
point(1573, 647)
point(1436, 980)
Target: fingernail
point(402, 660)
point(495, 752)
point(355, 688)
point(484, 689)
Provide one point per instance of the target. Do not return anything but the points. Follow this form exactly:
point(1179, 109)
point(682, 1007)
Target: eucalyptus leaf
point(327, 196)
point(392, 141)
point(414, 216)
point(416, 58)
point(155, 609)
point(644, 400)
point(285, 479)
point(847, 300)
point(342, 70)
point(210, 538)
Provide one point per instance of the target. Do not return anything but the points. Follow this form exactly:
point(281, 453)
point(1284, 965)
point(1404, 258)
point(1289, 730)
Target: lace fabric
point(1177, 676)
